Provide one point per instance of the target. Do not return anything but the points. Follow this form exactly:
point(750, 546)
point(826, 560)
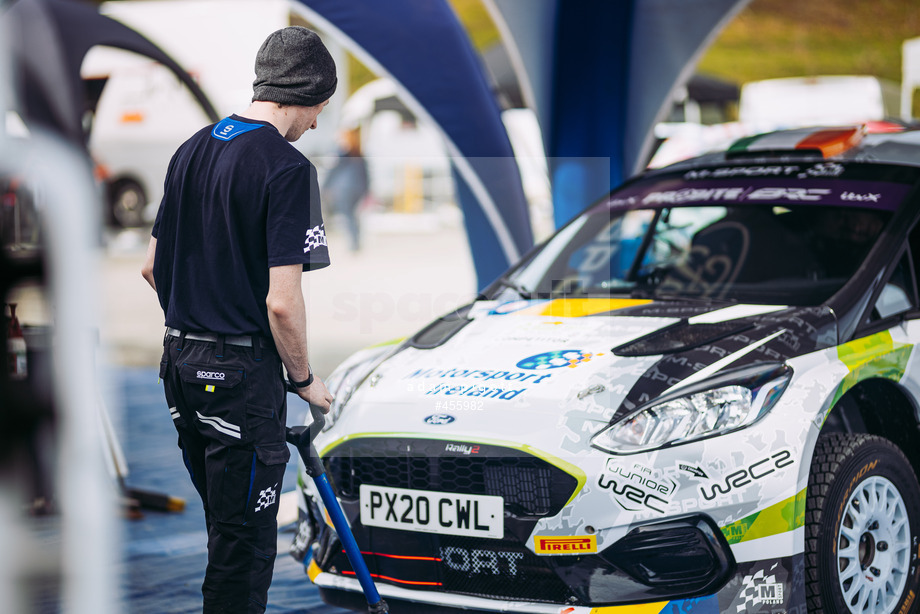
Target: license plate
point(429, 511)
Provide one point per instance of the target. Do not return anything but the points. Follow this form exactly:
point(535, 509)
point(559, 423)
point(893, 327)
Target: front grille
point(494, 569)
point(530, 486)
point(498, 569)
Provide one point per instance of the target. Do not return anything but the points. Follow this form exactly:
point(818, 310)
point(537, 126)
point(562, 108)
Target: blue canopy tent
point(600, 75)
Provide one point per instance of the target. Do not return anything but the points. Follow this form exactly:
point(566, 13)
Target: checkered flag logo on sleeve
point(316, 237)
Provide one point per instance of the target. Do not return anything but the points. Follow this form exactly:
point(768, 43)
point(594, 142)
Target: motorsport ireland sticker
point(454, 382)
point(555, 360)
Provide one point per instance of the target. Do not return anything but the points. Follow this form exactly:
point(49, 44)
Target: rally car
point(699, 396)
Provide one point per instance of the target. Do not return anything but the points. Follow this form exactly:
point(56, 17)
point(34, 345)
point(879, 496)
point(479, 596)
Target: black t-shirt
point(238, 200)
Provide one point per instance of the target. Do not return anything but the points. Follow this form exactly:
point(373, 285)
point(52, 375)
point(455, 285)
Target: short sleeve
point(155, 231)
point(295, 232)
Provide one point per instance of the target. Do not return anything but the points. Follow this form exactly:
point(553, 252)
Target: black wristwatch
point(304, 383)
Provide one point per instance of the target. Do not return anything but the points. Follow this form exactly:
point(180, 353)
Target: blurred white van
point(794, 102)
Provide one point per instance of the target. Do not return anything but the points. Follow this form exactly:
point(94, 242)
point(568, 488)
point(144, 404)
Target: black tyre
point(862, 519)
point(126, 203)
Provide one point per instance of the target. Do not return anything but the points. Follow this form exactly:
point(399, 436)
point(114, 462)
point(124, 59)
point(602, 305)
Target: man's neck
point(269, 112)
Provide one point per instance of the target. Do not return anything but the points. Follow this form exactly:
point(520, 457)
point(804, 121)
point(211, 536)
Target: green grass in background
point(792, 38)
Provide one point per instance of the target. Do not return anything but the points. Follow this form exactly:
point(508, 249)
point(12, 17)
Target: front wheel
point(862, 520)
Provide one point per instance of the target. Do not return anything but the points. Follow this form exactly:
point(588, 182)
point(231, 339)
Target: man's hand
point(316, 394)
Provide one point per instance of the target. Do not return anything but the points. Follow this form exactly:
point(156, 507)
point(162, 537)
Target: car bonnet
point(557, 371)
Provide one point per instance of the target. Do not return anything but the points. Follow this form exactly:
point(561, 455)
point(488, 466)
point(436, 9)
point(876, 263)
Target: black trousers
point(229, 407)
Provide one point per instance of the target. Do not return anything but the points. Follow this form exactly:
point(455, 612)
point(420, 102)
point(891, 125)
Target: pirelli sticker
point(568, 544)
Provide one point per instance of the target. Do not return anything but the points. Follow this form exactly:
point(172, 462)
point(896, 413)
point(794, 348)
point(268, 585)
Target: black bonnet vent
point(679, 337)
point(438, 332)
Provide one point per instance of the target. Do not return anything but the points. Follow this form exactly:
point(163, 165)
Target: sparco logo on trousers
point(217, 375)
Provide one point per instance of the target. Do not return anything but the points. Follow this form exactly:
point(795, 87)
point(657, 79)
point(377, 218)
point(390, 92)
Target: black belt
point(240, 340)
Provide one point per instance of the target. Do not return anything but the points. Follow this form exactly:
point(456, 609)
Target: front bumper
point(660, 560)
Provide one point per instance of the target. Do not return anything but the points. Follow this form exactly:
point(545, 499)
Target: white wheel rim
point(873, 547)
point(128, 207)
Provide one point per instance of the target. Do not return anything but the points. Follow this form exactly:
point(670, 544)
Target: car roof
point(876, 142)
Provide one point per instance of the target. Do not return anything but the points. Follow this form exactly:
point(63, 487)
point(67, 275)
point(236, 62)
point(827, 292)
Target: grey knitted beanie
point(294, 67)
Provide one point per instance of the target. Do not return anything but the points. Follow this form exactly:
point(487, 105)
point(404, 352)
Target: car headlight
point(718, 406)
point(346, 379)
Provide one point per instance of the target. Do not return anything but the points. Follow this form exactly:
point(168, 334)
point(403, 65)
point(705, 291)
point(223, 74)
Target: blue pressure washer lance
point(302, 438)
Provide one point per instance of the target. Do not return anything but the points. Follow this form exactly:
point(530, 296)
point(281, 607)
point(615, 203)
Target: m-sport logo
point(316, 237)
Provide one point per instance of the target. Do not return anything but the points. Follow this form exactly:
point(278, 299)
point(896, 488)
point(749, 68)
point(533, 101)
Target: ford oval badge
point(437, 419)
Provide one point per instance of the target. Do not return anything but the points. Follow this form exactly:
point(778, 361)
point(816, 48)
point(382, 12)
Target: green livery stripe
point(743, 143)
point(860, 351)
point(573, 470)
point(875, 356)
point(781, 517)
point(386, 343)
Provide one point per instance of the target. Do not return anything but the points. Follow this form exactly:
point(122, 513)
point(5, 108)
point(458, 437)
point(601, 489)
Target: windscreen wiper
point(507, 282)
point(643, 247)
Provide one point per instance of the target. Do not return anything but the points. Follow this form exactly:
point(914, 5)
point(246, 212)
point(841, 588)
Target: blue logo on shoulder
point(228, 129)
point(438, 419)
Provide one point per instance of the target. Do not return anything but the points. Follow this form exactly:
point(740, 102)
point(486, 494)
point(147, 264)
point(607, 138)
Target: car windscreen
point(764, 241)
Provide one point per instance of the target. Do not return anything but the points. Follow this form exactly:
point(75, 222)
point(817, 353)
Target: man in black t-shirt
point(239, 222)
